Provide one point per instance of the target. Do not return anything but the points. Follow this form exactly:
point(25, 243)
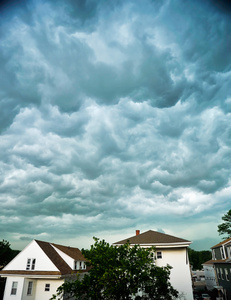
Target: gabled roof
point(55, 257)
point(74, 253)
point(154, 238)
point(227, 241)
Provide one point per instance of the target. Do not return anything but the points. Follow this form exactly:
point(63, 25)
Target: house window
point(159, 254)
point(47, 287)
point(213, 254)
point(30, 264)
point(229, 251)
point(79, 265)
point(14, 288)
point(75, 265)
point(222, 275)
point(218, 273)
point(29, 288)
point(222, 253)
point(226, 275)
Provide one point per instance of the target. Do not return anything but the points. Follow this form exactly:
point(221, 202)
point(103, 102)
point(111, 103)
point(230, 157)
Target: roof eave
point(161, 245)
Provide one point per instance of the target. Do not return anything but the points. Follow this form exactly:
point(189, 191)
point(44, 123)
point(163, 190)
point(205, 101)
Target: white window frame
point(213, 255)
point(47, 287)
point(14, 288)
point(79, 265)
point(30, 264)
point(29, 288)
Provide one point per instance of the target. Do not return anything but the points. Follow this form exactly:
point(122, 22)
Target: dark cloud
point(114, 115)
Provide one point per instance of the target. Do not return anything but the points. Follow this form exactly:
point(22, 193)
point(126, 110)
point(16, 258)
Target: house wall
point(41, 294)
point(33, 250)
point(224, 281)
point(25, 289)
point(180, 277)
point(7, 293)
point(210, 277)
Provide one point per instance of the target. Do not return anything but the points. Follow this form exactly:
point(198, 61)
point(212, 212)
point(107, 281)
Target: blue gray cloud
point(114, 116)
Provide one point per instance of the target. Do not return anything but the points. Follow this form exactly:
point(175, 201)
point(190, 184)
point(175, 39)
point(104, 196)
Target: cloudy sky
point(114, 116)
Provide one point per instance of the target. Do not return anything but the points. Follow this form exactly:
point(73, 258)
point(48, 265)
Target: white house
point(38, 270)
point(169, 250)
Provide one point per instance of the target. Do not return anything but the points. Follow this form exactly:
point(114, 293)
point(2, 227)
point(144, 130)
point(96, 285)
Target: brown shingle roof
point(221, 243)
point(74, 253)
point(57, 260)
point(153, 237)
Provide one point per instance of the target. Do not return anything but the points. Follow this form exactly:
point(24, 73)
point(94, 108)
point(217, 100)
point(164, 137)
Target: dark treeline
point(6, 255)
point(197, 258)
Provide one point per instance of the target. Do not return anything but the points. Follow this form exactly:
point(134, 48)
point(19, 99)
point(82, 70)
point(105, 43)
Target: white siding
point(33, 250)
point(41, 294)
point(180, 277)
point(7, 293)
point(25, 288)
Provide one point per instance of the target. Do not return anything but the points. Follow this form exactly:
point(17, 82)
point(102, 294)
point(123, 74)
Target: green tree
point(225, 228)
point(197, 258)
point(118, 273)
point(6, 253)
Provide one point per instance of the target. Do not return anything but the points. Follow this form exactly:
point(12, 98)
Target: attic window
point(79, 265)
point(30, 264)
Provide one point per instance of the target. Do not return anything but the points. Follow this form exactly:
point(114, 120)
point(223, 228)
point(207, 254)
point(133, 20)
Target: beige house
point(170, 250)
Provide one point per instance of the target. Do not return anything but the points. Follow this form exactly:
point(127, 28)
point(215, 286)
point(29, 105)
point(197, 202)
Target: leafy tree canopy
point(225, 228)
point(118, 273)
point(6, 253)
point(197, 258)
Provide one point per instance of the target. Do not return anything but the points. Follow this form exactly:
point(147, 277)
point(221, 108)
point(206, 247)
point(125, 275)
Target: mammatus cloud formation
point(114, 116)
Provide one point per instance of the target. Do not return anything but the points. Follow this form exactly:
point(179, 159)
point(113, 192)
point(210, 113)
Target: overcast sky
point(114, 116)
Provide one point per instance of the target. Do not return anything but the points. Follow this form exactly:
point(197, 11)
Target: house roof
point(153, 238)
point(227, 241)
point(57, 260)
point(74, 253)
point(217, 261)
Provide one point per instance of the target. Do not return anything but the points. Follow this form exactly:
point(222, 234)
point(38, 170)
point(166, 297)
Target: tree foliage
point(197, 258)
point(118, 273)
point(6, 253)
point(225, 228)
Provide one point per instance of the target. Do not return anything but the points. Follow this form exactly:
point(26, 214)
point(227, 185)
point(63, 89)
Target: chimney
point(137, 232)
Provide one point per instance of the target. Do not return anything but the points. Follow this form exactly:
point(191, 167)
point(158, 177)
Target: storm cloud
point(114, 116)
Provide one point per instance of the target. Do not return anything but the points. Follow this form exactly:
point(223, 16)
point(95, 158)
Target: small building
point(221, 254)
point(218, 270)
point(170, 250)
point(38, 270)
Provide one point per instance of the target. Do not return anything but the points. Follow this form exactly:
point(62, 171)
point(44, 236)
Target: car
point(205, 297)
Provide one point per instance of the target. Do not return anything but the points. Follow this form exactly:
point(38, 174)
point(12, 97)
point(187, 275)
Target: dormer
point(79, 265)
